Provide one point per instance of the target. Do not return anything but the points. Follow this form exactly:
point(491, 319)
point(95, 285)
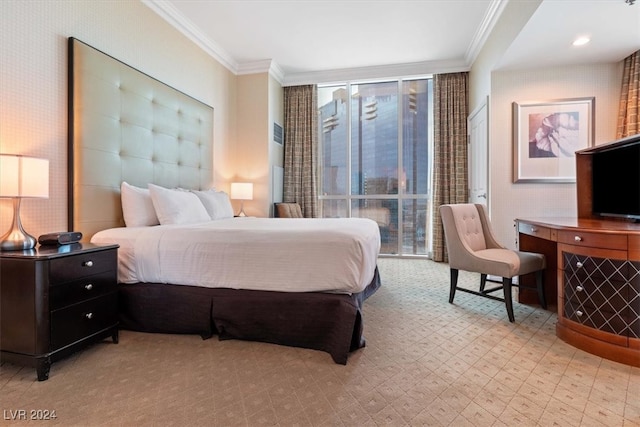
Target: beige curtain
point(300, 147)
point(450, 177)
point(628, 118)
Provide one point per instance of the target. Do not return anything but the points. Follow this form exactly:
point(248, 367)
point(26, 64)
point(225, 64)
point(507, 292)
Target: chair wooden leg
point(483, 282)
point(540, 286)
point(506, 286)
point(454, 284)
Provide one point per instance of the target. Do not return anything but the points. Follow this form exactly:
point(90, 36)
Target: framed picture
point(546, 135)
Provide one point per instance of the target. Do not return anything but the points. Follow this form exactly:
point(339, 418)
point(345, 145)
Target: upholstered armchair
point(288, 210)
point(471, 246)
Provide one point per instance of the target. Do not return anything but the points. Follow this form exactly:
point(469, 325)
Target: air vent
point(278, 134)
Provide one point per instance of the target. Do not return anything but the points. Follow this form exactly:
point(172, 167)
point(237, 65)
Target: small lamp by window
point(241, 191)
point(21, 177)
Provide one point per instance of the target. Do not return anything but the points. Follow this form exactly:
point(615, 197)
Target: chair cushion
point(289, 210)
point(508, 263)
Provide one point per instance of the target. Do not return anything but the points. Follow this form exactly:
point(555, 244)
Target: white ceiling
point(327, 37)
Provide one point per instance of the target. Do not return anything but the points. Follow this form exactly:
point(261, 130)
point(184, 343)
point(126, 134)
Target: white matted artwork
point(546, 135)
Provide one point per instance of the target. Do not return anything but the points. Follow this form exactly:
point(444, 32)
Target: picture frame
point(546, 135)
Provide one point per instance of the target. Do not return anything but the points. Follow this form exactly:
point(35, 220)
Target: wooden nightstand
point(54, 300)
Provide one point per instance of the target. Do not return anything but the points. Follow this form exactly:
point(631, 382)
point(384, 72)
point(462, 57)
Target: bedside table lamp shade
point(241, 191)
point(21, 177)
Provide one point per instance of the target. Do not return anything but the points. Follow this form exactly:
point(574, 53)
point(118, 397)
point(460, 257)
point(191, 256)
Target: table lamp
point(241, 191)
point(21, 177)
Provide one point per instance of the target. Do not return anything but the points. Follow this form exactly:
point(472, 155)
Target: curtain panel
point(628, 119)
point(450, 175)
point(300, 148)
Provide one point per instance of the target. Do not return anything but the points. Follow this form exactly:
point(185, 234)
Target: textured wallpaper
point(527, 200)
point(33, 82)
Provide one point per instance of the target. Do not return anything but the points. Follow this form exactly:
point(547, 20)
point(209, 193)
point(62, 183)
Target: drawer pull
point(88, 286)
point(579, 264)
point(577, 238)
point(534, 230)
point(579, 313)
point(89, 316)
point(88, 263)
point(579, 288)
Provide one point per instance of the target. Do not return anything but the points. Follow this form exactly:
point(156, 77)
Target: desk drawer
point(593, 240)
point(534, 230)
point(634, 247)
point(584, 267)
point(615, 323)
point(604, 295)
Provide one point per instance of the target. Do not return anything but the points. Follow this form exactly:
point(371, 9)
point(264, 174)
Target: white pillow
point(177, 207)
point(137, 207)
point(216, 203)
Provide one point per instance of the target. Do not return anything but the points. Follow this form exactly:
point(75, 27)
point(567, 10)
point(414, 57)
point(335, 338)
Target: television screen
point(616, 181)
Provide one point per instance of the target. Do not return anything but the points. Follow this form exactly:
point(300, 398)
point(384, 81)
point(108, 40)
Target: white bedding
point(274, 254)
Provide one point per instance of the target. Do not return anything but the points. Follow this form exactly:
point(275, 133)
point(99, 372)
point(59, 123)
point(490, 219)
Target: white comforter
point(287, 255)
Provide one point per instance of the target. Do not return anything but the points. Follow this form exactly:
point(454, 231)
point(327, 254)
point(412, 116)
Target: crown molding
point(415, 69)
point(176, 19)
point(419, 69)
point(484, 30)
point(265, 66)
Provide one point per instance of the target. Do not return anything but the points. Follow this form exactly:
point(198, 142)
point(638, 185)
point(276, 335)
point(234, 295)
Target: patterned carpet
point(426, 362)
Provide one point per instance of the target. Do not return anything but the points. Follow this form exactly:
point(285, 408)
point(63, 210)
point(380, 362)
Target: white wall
point(508, 201)
point(252, 149)
point(513, 18)
point(33, 84)
point(260, 103)
point(276, 151)
point(526, 200)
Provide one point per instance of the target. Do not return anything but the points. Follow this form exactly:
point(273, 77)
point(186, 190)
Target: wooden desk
point(593, 272)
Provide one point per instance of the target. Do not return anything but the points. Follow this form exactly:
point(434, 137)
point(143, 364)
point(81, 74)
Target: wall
point(513, 18)
point(33, 84)
point(509, 200)
point(251, 153)
point(276, 114)
point(260, 103)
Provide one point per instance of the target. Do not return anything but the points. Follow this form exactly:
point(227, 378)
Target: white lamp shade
point(241, 191)
point(22, 176)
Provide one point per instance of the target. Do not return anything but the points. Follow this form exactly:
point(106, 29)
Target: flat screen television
point(616, 180)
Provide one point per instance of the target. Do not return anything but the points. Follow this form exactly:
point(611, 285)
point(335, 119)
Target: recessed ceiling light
point(581, 41)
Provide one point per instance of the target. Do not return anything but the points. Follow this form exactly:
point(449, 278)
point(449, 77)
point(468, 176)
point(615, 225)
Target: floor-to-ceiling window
point(375, 155)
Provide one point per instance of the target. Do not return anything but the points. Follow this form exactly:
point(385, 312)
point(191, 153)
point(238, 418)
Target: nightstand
point(55, 300)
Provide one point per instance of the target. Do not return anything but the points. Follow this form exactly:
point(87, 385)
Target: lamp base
point(241, 213)
point(16, 239)
point(18, 243)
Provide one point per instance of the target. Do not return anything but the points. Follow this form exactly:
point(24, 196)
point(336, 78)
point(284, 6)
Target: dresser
point(595, 270)
point(55, 300)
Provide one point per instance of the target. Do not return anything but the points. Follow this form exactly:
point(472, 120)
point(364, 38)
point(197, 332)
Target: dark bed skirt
point(321, 321)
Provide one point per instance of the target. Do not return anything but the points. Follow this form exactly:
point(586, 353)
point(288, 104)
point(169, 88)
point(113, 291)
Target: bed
point(125, 126)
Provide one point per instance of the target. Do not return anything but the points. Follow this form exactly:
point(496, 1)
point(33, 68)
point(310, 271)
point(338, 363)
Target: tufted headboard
point(127, 126)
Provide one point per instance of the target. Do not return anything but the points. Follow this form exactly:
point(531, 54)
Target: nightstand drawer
point(69, 268)
point(79, 321)
point(86, 288)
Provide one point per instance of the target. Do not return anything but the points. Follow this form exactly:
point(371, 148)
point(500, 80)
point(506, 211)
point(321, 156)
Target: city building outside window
point(375, 143)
